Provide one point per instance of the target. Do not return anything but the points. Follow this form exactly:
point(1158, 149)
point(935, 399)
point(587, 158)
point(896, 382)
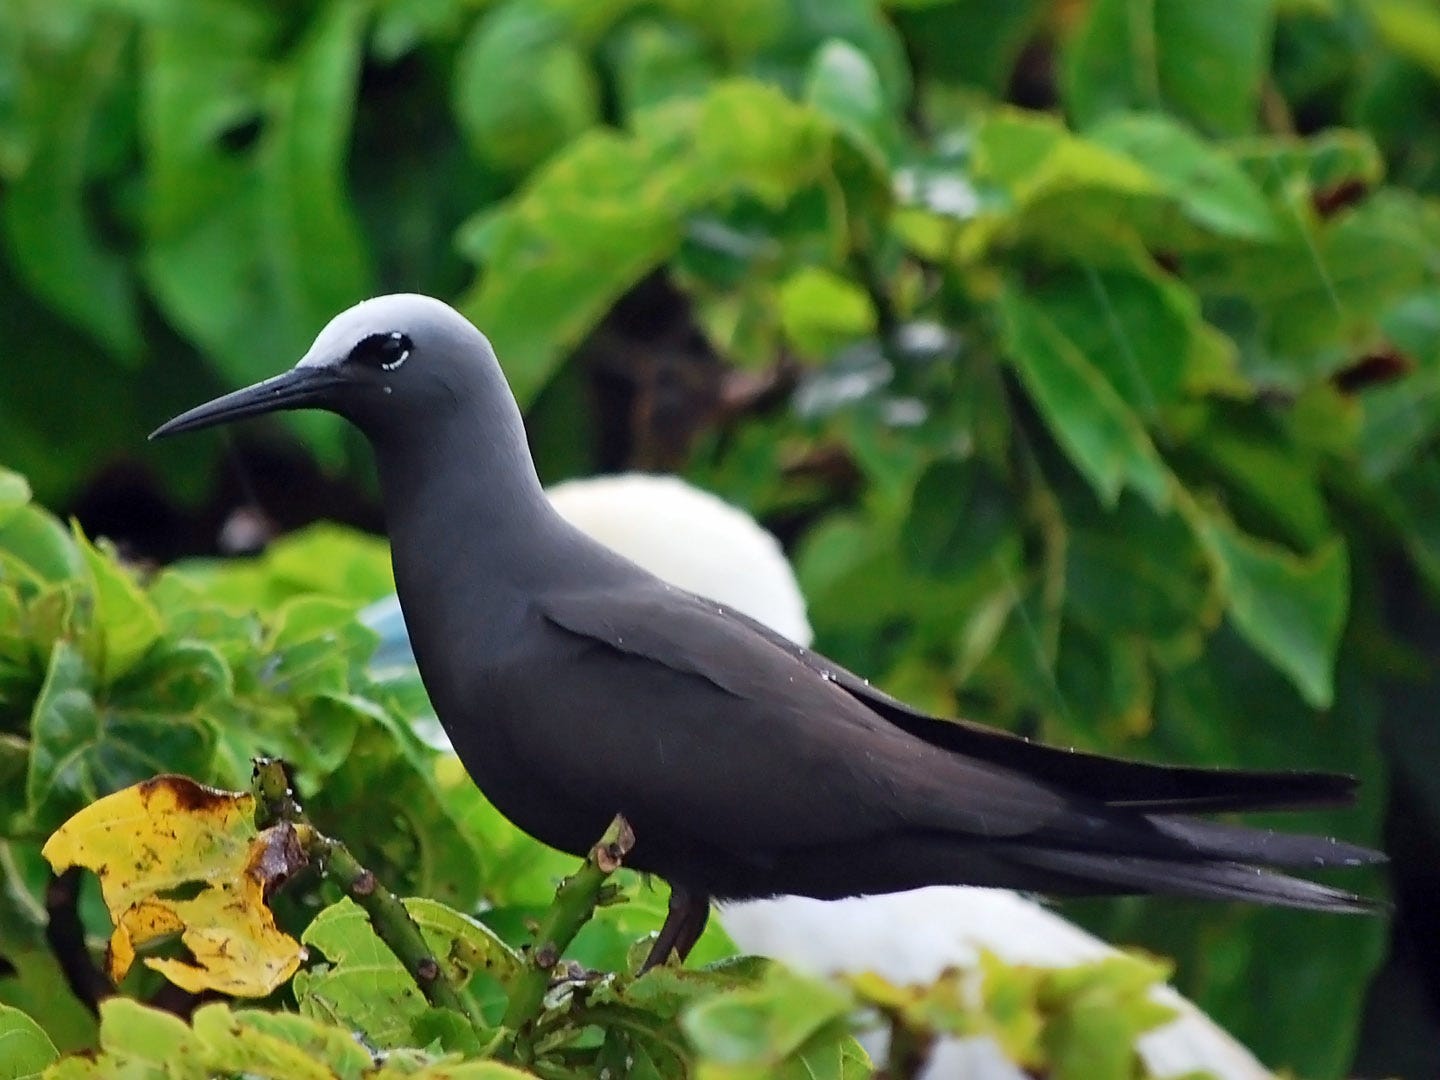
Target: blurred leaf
point(1058, 191)
point(1204, 62)
point(14, 491)
point(49, 230)
point(1290, 609)
point(1411, 28)
point(1104, 439)
point(1312, 302)
point(251, 253)
point(970, 41)
point(552, 96)
point(1210, 186)
point(25, 1050)
point(152, 845)
point(339, 563)
point(843, 85)
point(601, 215)
point(1139, 329)
point(959, 514)
point(1139, 574)
point(819, 308)
point(34, 545)
point(655, 60)
point(774, 1029)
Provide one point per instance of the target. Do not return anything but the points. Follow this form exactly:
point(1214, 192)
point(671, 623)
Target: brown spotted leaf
point(176, 857)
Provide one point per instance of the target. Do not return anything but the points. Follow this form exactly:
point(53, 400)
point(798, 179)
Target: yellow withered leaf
point(176, 857)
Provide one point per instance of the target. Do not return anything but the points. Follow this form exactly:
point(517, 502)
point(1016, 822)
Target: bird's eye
point(384, 351)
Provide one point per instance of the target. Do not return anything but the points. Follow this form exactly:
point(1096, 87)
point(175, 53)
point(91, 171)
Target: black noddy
point(575, 686)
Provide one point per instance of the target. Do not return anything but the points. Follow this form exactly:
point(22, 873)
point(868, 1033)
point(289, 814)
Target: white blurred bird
point(701, 543)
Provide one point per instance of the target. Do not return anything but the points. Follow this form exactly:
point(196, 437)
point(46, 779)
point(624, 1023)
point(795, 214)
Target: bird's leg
point(684, 923)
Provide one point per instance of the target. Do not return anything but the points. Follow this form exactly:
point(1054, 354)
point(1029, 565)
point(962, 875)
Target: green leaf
point(767, 1025)
point(14, 491)
point(246, 1041)
point(133, 1035)
point(1138, 574)
point(250, 253)
point(599, 216)
point(1211, 187)
point(1059, 192)
point(421, 849)
point(1291, 609)
point(1411, 28)
point(37, 547)
point(85, 746)
point(361, 985)
point(25, 1049)
point(49, 229)
point(1142, 330)
point(1204, 62)
point(959, 515)
point(1104, 439)
point(843, 84)
point(820, 310)
point(551, 94)
point(313, 644)
point(657, 60)
point(126, 624)
point(1312, 302)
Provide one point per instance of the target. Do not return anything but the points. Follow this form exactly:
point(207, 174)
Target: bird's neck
point(461, 495)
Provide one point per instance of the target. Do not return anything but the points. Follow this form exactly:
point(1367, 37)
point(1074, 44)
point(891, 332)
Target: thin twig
point(65, 935)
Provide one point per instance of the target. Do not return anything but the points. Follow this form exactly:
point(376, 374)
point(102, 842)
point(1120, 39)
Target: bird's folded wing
point(686, 712)
point(1138, 785)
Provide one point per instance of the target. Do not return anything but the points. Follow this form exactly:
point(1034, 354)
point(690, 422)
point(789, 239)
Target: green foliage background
point(1112, 324)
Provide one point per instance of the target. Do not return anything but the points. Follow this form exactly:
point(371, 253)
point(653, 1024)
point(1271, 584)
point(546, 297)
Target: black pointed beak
point(294, 389)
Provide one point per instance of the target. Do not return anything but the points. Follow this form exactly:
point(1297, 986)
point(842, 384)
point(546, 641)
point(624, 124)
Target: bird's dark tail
point(1092, 872)
point(1242, 844)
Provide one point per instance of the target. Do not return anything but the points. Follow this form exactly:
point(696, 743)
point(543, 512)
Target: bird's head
point(401, 359)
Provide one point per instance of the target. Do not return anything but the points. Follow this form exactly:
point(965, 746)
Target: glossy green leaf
point(36, 546)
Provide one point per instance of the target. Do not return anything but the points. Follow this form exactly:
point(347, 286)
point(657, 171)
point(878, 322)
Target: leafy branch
point(575, 902)
point(275, 803)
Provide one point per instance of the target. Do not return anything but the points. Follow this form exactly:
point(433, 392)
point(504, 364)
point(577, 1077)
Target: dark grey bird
point(575, 686)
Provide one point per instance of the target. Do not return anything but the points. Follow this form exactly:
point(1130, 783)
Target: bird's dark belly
point(522, 794)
